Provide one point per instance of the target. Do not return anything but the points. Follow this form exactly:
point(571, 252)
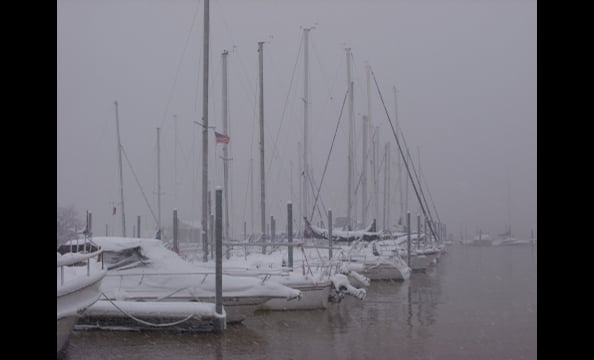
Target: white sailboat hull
point(72, 302)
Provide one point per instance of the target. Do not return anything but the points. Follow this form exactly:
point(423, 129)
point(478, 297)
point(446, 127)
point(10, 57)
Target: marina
point(282, 210)
point(461, 309)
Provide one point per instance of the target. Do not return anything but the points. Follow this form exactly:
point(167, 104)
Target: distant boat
point(507, 239)
point(344, 236)
point(481, 240)
point(79, 279)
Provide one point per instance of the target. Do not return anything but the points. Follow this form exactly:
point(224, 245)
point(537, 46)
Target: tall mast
point(402, 211)
point(120, 169)
point(252, 194)
point(350, 150)
point(366, 128)
point(364, 172)
point(159, 183)
point(406, 193)
point(386, 221)
point(205, 133)
point(375, 144)
point(508, 206)
point(305, 119)
point(419, 166)
point(301, 186)
point(400, 198)
point(376, 156)
point(262, 187)
point(175, 162)
point(225, 146)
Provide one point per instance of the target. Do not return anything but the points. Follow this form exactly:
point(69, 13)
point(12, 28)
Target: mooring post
point(272, 231)
point(408, 237)
point(175, 239)
point(425, 232)
point(418, 231)
point(211, 236)
point(290, 232)
point(90, 234)
point(329, 233)
point(219, 323)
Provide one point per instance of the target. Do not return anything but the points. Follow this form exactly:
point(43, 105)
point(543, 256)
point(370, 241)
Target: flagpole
point(225, 146)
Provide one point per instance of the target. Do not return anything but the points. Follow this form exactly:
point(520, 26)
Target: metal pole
point(376, 155)
point(219, 258)
point(290, 232)
point(272, 230)
point(425, 231)
point(305, 119)
point(159, 182)
point(174, 160)
point(364, 171)
point(301, 177)
point(211, 229)
point(205, 131)
point(367, 128)
point(138, 225)
point(386, 221)
point(408, 237)
point(252, 195)
point(351, 139)
point(225, 146)
point(262, 184)
point(120, 170)
point(90, 224)
point(329, 233)
point(418, 230)
point(90, 235)
point(175, 238)
point(399, 158)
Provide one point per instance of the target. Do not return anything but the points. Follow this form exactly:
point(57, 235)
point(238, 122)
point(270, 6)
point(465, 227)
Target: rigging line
point(316, 207)
point(140, 186)
point(179, 65)
point(185, 155)
point(367, 153)
point(222, 12)
point(423, 199)
point(402, 155)
point(285, 106)
point(415, 173)
point(329, 152)
point(429, 192)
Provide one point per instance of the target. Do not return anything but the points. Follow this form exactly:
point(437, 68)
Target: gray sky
point(465, 73)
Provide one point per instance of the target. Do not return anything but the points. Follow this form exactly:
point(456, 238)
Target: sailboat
point(343, 236)
point(317, 283)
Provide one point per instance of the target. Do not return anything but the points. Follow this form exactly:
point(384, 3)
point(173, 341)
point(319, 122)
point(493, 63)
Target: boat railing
point(264, 274)
point(77, 258)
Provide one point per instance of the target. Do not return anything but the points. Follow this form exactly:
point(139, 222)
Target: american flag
point(221, 138)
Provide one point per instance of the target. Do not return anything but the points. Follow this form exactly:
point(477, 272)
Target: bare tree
point(68, 223)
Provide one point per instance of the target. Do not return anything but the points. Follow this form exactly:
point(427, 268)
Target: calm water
point(477, 303)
